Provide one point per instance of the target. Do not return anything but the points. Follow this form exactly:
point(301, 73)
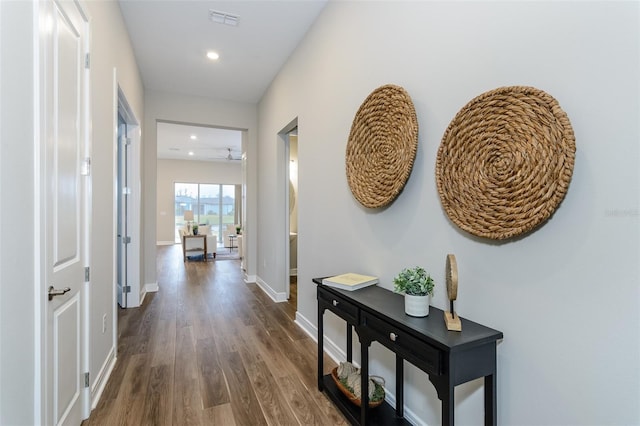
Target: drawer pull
point(393, 336)
point(336, 303)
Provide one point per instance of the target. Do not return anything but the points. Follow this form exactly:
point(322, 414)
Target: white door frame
point(287, 215)
point(283, 137)
point(138, 290)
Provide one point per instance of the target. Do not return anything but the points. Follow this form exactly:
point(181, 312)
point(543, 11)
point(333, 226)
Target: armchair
point(212, 239)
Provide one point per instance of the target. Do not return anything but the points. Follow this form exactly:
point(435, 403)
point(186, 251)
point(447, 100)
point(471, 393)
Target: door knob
point(53, 292)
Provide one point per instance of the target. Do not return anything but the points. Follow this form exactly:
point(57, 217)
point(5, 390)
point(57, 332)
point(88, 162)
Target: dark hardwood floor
point(208, 349)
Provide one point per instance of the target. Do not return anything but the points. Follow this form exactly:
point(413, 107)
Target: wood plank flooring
point(208, 349)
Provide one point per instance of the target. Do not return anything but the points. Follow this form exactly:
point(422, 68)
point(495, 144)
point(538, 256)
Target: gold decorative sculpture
point(451, 319)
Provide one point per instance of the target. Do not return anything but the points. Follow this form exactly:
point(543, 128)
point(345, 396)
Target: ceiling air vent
point(223, 18)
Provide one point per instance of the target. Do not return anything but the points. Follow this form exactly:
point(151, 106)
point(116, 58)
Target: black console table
point(448, 357)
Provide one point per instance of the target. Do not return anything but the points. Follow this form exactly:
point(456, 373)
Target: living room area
point(201, 242)
point(199, 202)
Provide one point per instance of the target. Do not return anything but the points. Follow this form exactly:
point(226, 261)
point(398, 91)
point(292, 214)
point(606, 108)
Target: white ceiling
point(171, 38)
point(210, 144)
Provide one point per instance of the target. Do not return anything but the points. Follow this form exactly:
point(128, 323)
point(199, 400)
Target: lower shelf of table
point(382, 415)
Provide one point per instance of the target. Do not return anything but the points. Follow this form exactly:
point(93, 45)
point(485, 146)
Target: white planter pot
point(416, 306)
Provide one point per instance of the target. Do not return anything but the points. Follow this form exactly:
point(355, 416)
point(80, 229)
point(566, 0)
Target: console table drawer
point(414, 350)
point(339, 306)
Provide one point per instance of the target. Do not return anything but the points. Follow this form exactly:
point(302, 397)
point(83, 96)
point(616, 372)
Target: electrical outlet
point(104, 323)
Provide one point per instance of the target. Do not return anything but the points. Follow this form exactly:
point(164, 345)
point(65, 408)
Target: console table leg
point(364, 381)
point(349, 342)
point(320, 348)
point(448, 405)
point(490, 401)
point(399, 386)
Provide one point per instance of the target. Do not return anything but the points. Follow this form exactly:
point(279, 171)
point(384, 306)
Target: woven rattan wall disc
point(382, 146)
point(505, 162)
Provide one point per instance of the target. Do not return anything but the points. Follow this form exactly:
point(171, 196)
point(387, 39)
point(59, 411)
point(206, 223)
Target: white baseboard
point(165, 243)
point(274, 295)
point(338, 355)
point(307, 326)
point(148, 288)
point(100, 381)
point(333, 350)
point(249, 279)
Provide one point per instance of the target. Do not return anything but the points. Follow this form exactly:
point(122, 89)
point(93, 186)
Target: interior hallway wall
point(20, 390)
point(566, 295)
point(19, 273)
point(110, 49)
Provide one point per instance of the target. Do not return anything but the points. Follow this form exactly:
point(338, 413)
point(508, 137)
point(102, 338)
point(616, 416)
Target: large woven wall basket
point(382, 146)
point(505, 162)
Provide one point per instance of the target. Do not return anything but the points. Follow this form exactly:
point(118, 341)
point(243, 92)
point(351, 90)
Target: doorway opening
point(293, 217)
point(199, 171)
point(289, 137)
point(123, 210)
point(127, 224)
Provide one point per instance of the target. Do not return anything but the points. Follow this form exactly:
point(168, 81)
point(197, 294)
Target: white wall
point(172, 171)
point(110, 49)
point(567, 295)
point(17, 268)
point(185, 109)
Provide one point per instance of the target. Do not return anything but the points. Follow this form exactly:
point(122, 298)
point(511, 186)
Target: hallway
point(210, 349)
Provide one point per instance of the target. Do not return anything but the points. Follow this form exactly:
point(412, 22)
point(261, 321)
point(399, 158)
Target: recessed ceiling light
point(193, 137)
point(190, 152)
point(212, 55)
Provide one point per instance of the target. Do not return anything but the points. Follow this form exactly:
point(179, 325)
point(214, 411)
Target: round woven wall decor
point(382, 146)
point(505, 162)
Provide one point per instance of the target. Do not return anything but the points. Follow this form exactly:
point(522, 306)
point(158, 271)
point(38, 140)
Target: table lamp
point(188, 217)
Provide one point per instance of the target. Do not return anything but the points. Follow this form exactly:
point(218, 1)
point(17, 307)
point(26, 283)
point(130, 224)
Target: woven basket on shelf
point(382, 146)
point(505, 162)
point(351, 396)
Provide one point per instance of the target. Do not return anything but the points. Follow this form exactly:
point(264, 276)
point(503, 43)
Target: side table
point(202, 249)
point(449, 358)
point(232, 239)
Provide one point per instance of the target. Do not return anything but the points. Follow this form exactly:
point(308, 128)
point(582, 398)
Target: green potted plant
point(195, 229)
point(417, 286)
point(238, 229)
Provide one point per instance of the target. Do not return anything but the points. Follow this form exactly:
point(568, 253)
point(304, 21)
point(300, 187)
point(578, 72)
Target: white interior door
point(124, 238)
point(63, 118)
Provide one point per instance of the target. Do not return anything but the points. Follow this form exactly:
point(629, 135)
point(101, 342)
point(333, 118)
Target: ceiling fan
point(221, 157)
